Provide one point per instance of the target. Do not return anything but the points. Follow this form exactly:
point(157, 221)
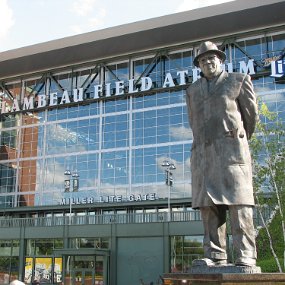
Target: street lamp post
point(74, 177)
point(75, 181)
point(169, 182)
point(67, 174)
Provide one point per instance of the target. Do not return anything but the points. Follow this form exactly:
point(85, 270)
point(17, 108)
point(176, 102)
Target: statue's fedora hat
point(208, 47)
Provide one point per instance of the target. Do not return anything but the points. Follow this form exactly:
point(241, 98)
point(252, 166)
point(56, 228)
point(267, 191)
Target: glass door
point(83, 277)
point(88, 278)
point(100, 271)
point(86, 270)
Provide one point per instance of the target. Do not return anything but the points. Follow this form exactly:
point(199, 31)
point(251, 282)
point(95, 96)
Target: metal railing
point(103, 219)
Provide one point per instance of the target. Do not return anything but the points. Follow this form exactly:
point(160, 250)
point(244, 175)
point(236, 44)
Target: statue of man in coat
point(222, 113)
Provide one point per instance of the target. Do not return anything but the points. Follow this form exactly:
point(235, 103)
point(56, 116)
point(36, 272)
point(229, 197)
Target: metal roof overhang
point(206, 23)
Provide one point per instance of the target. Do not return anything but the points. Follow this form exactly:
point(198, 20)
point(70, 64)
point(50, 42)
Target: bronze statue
point(222, 113)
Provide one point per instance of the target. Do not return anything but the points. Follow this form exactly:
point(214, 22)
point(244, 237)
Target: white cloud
point(181, 133)
point(7, 20)
point(76, 29)
point(91, 23)
point(194, 4)
point(97, 21)
point(83, 7)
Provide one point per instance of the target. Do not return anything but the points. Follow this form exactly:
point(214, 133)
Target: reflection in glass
point(116, 145)
point(184, 249)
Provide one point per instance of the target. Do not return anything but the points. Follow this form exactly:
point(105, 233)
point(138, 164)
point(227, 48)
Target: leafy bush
point(268, 265)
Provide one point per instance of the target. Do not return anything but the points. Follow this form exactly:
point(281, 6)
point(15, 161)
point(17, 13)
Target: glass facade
point(113, 144)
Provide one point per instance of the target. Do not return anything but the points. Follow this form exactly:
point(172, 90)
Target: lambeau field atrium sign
point(122, 87)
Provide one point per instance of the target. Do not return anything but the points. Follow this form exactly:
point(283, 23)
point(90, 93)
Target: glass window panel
point(7, 178)
point(281, 116)
point(15, 267)
point(184, 249)
point(281, 101)
point(8, 144)
point(115, 131)
point(34, 87)
point(5, 247)
point(77, 111)
point(178, 61)
point(163, 125)
point(43, 270)
point(9, 121)
point(43, 247)
point(175, 61)
point(86, 166)
point(114, 168)
point(7, 201)
point(87, 243)
point(140, 66)
point(152, 68)
point(27, 176)
point(72, 136)
point(147, 164)
point(254, 48)
point(31, 141)
point(278, 43)
point(8, 93)
point(57, 270)
point(30, 247)
point(15, 248)
point(177, 97)
point(118, 105)
point(9, 267)
point(60, 83)
point(86, 79)
point(115, 73)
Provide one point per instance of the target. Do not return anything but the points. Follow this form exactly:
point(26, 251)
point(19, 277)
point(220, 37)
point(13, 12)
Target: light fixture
point(169, 182)
point(165, 163)
point(67, 172)
point(172, 166)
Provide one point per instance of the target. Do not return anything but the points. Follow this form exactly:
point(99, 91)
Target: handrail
point(102, 219)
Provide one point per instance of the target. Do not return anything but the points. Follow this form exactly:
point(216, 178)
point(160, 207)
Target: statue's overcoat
point(222, 119)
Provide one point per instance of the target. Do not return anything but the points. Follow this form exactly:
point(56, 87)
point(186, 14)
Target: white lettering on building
point(109, 199)
point(131, 86)
point(247, 68)
point(278, 68)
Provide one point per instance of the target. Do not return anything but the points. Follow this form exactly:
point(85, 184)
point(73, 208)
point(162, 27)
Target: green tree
point(268, 149)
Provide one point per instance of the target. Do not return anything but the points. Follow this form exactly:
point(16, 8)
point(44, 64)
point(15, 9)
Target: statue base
point(224, 279)
point(202, 268)
point(205, 272)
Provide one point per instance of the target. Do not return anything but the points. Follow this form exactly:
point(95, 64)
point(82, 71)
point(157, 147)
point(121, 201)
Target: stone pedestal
point(224, 279)
point(202, 268)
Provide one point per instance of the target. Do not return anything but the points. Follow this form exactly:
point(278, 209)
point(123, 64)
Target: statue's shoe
point(209, 262)
point(245, 261)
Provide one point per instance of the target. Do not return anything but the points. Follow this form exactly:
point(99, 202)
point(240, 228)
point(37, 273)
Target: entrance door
point(83, 277)
point(86, 270)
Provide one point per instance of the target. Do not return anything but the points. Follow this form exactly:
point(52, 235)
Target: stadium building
point(95, 184)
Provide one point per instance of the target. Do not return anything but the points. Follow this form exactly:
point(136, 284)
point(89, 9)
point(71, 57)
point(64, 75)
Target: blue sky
point(28, 22)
